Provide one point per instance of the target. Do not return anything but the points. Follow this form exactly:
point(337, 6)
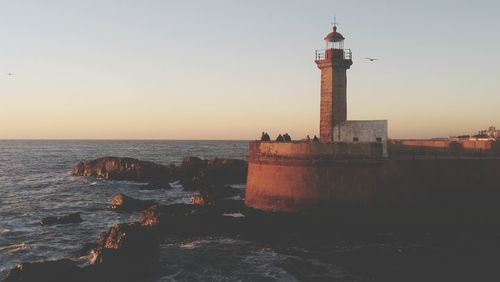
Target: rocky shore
point(194, 173)
point(372, 252)
point(126, 252)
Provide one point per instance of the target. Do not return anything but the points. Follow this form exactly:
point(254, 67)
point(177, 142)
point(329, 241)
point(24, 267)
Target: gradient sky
point(120, 69)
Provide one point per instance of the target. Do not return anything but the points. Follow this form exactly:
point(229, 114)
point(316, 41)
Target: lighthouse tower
point(333, 63)
point(305, 176)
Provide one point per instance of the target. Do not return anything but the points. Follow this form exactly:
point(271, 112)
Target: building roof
point(334, 36)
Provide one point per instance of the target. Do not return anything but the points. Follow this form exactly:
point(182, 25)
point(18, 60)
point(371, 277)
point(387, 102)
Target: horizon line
point(153, 139)
point(111, 139)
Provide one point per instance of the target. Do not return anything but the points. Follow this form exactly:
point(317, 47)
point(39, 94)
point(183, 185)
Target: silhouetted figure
point(268, 138)
point(308, 138)
point(265, 137)
point(315, 138)
point(287, 137)
point(280, 138)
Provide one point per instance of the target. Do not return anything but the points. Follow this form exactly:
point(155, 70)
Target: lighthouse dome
point(334, 36)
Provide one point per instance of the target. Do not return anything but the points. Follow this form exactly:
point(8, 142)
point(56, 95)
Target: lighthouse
point(303, 176)
point(333, 61)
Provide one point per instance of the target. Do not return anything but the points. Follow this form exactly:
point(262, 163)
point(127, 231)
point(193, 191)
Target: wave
point(14, 248)
point(44, 186)
point(215, 255)
point(206, 241)
point(4, 231)
point(237, 214)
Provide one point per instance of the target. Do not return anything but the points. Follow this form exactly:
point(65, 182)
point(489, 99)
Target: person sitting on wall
point(308, 138)
point(287, 137)
point(265, 137)
point(280, 138)
point(315, 138)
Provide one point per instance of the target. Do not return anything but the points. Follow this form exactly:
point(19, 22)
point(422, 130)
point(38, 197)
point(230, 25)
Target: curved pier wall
point(298, 177)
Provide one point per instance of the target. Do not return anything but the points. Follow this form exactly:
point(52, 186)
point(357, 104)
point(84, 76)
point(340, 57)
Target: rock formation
point(127, 252)
point(172, 218)
point(218, 198)
point(125, 244)
point(196, 173)
point(59, 270)
point(66, 219)
point(122, 202)
point(125, 169)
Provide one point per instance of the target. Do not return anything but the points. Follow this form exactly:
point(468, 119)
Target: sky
point(230, 69)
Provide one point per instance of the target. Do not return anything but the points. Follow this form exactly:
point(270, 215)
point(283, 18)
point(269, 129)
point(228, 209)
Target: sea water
point(35, 182)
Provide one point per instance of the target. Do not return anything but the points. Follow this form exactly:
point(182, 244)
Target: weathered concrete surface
point(485, 145)
point(302, 150)
point(362, 131)
point(299, 184)
point(333, 94)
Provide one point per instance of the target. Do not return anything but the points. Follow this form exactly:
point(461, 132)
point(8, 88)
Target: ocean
point(35, 182)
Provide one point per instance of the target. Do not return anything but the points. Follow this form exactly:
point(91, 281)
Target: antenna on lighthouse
point(334, 23)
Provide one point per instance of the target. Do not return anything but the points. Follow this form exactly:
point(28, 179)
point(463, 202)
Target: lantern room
point(334, 40)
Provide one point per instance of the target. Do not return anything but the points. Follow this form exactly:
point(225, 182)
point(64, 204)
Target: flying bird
point(371, 59)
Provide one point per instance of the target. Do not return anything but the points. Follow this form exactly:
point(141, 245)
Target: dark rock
point(87, 248)
point(228, 206)
point(196, 173)
point(212, 193)
point(221, 205)
point(126, 252)
point(105, 272)
point(151, 216)
point(192, 170)
point(156, 186)
point(181, 220)
point(59, 270)
point(177, 219)
point(159, 215)
point(125, 169)
point(126, 245)
point(66, 219)
point(215, 198)
point(122, 202)
point(198, 200)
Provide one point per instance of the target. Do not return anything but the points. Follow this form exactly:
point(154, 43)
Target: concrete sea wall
point(288, 181)
point(486, 145)
point(303, 150)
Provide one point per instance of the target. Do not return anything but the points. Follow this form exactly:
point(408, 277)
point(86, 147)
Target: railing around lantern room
point(321, 54)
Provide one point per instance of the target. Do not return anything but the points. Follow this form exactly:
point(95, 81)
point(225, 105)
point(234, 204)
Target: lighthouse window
point(379, 139)
point(355, 139)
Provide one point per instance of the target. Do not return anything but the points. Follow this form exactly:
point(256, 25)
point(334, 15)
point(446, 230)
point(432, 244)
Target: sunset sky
point(120, 69)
